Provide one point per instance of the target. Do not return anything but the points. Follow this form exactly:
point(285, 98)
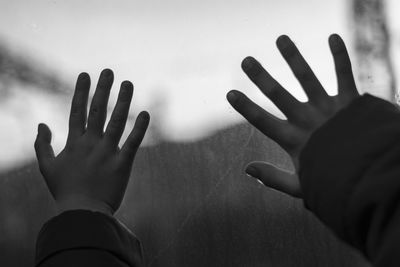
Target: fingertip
point(283, 40)
point(335, 42)
point(334, 37)
point(127, 84)
point(83, 76)
point(107, 72)
point(38, 135)
point(44, 132)
point(83, 81)
point(42, 127)
point(144, 116)
point(126, 91)
point(252, 171)
point(248, 62)
point(232, 96)
point(252, 68)
point(331, 38)
point(255, 167)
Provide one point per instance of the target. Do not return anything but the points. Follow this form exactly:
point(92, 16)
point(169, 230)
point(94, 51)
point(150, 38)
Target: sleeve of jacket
point(350, 177)
point(86, 238)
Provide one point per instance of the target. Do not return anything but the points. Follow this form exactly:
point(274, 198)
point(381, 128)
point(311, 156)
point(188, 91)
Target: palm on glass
point(92, 171)
point(302, 118)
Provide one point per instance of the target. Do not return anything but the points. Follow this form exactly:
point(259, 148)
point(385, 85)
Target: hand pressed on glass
point(92, 172)
point(302, 118)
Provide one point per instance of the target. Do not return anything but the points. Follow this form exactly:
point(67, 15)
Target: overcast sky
point(182, 56)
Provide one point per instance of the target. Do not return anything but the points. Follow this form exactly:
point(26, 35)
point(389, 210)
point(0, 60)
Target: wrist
point(83, 203)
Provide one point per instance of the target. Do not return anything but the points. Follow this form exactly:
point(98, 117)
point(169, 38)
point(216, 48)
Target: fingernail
point(250, 170)
point(232, 96)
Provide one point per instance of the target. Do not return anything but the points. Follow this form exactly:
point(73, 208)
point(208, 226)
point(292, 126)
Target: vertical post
point(372, 45)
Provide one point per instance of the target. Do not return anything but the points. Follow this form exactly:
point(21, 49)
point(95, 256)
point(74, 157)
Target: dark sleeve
point(350, 177)
point(86, 238)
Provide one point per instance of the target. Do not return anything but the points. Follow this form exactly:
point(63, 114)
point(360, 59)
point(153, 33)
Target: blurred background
point(183, 57)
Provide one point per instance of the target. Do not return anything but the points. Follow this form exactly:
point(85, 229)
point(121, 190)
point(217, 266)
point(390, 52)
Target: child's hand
point(92, 172)
point(302, 118)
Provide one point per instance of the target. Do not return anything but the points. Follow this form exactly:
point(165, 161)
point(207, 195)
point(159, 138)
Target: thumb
point(43, 148)
point(275, 177)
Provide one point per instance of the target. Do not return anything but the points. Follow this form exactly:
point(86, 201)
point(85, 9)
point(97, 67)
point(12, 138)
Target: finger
point(306, 77)
point(77, 118)
point(287, 103)
point(276, 129)
point(43, 148)
point(116, 126)
point(344, 73)
point(275, 177)
point(135, 138)
point(98, 108)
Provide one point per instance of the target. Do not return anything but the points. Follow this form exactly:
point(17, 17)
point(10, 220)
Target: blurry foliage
point(372, 43)
point(27, 73)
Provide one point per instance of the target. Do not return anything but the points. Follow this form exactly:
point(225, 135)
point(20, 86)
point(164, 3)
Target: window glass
point(188, 199)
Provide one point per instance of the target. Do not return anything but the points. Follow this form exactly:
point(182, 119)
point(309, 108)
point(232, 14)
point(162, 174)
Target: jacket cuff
point(84, 229)
point(336, 155)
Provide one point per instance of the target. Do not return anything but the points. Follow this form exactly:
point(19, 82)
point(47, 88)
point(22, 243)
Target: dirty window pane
point(188, 199)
